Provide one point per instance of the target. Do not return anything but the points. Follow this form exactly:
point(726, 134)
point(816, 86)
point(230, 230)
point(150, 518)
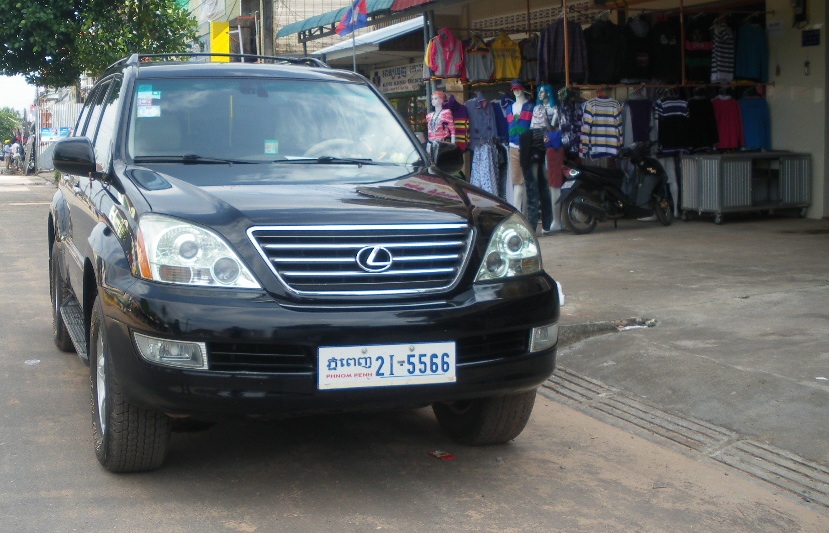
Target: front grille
point(296, 359)
point(365, 259)
point(268, 358)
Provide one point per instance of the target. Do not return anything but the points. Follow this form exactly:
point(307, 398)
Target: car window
point(83, 118)
point(264, 120)
point(96, 105)
point(106, 129)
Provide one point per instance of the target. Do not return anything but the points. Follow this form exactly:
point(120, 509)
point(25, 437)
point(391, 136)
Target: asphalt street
point(687, 425)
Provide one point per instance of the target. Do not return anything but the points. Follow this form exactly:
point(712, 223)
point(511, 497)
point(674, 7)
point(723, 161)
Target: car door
point(80, 190)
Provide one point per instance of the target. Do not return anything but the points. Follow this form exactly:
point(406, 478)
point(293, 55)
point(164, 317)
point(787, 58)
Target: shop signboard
point(400, 79)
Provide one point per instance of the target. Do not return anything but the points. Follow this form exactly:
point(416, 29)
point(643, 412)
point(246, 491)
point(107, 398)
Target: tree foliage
point(10, 122)
point(51, 42)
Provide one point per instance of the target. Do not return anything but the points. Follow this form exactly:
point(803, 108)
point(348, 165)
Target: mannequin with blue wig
point(545, 117)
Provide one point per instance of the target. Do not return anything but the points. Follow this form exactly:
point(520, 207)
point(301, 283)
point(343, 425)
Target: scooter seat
point(612, 175)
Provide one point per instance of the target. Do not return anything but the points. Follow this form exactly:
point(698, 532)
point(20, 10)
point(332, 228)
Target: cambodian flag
point(356, 17)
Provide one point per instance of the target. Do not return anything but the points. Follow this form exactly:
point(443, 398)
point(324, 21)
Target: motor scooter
point(592, 194)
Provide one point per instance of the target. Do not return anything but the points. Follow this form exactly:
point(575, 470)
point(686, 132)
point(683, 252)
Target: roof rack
point(136, 59)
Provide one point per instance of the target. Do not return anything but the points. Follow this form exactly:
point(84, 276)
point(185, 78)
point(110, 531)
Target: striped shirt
point(601, 130)
point(722, 53)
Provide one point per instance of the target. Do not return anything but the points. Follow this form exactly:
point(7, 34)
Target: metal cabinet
point(738, 182)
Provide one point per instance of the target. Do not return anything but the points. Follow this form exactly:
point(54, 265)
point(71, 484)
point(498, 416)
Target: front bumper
point(262, 354)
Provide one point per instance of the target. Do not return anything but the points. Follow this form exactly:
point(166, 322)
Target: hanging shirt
point(478, 63)
point(729, 122)
point(446, 55)
point(507, 56)
point(671, 116)
point(460, 117)
point(551, 53)
point(702, 124)
point(482, 125)
point(722, 53)
point(637, 116)
point(698, 50)
point(601, 130)
point(756, 123)
point(752, 54)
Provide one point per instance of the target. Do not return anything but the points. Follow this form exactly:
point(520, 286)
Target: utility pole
point(267, 27)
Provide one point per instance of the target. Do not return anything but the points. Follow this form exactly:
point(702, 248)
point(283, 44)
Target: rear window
point(263, 120)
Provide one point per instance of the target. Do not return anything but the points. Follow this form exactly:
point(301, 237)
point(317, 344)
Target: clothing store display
point(666, 51)
point(479, 64)
point(722, 52)
point(637, 118)
point(601, 130)
point(551, 53)
point(445, 55)
point(538, 120)
point(529, 57)
point(460, 118)
point(606, 51)
point(698, 48)
point(754, 112)
point(440, 125)
point(484, 171)
point(671, 117)
point(702, 124)
point(638, 64)
point(507, 57)
point(571, 111)
point(482, 124)
point(729, 122)
point(519, 122)
point(752, 62)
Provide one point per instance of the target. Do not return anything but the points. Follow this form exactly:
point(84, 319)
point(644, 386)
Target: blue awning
point(373, 7)
point(372, 38)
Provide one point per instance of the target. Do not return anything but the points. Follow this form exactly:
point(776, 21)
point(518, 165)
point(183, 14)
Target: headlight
point(174, 251)
point(513, 251)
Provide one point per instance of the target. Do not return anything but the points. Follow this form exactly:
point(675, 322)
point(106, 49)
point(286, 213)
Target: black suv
point(270, 239)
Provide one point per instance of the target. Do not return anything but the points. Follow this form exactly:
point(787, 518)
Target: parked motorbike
point(594, 194)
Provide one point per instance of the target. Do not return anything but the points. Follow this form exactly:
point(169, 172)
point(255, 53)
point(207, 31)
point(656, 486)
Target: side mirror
point(448, 157)
point(74, 155)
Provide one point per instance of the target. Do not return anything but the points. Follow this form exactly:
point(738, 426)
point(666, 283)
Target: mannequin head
point(438, 99)
point(518, 90)
point(546, 95)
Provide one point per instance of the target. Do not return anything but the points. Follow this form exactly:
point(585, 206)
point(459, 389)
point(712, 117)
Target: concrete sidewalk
point(739, 348)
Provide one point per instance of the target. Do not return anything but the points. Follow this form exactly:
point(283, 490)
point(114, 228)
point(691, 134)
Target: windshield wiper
point(192, 159)
point(331, 160)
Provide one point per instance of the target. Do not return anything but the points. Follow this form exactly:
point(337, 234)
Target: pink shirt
point(442, 126)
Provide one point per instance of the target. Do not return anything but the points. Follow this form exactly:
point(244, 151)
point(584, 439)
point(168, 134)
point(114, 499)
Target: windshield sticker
point(272, 146)
point(148, 111)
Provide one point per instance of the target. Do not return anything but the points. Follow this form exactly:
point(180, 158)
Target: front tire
point(662, 209)
point(127, 438)
point(59, 293)
point(486, 421)
point(577, 220)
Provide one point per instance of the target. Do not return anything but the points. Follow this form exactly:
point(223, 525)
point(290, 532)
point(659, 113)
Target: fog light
point(172, 353)
point(543, 337)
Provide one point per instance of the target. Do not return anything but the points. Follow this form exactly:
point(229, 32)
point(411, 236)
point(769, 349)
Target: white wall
point(797, 100)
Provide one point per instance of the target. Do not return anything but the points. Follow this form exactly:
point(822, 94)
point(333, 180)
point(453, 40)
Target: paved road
point(363, 472)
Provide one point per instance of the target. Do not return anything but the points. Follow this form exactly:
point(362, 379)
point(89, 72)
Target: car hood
point(270, 198)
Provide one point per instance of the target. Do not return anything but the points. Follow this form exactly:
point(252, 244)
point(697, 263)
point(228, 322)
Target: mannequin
point(544, 116)
point(519, 115)
point(554, 157)
point(440, 122)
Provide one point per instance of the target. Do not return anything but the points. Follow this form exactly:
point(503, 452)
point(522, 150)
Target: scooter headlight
point(572, 172)
point(513, 251)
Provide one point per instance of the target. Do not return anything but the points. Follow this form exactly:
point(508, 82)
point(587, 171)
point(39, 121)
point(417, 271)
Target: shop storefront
point(788, 84)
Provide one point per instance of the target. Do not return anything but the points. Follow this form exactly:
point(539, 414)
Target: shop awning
point(400, 5)
point(369, 42)
point(330, 19)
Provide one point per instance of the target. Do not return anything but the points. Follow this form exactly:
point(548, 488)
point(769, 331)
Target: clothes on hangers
point(479, 64)
point(671, 118)
point(529, 57)
point(484, 169)
point(702, 130)
point(698, 48)
point(754, 111)
point(460, 116)
point(601, 130)
point(729, 122)
point(722, 52)
point(637, 118)
point(666, 51)
point(551, 53)
point(752, 61)
point(507, 57)
point(444, 55)
point(482, 121)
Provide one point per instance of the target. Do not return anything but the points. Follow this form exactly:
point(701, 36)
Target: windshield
point(262, 121)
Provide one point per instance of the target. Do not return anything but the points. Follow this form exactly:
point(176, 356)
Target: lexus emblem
point(374, 259)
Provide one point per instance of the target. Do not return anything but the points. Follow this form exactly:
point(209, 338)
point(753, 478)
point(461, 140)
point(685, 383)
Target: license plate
point(389, 365)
